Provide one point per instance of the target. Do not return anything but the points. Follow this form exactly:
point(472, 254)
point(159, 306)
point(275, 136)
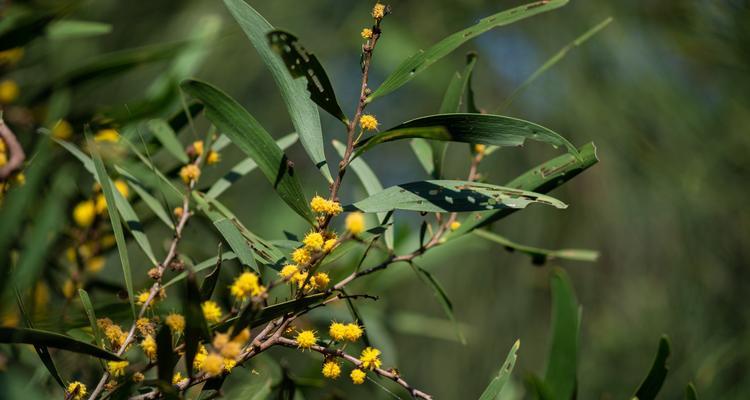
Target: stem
point(17, 156)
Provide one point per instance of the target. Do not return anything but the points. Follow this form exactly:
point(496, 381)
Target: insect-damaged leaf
point(498, 382)
point(450, 196)
point(301, 63)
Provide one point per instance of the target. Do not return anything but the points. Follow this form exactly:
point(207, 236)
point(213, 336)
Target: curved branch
point(17, 156)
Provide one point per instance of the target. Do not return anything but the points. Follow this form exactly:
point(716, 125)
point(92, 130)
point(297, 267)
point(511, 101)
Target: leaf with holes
point(498, 383)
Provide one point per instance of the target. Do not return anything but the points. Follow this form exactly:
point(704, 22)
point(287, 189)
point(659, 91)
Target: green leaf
point(235, 122)
point(88, 308)
point(420, 61)
point(269, 313)
point(469, 128)
point(690, 392)
point(122, 247)
point(540, 179)
point(168, 138)
point(653, 382)
point(19, 29)
point(209, 281)
point(54, 340)
point(302, 64)
point(244, 167)
point(165, 355)
point(423, 151)
point(370, 182)
point(437, 289)
point(237, 242)
point(74, 29)
point(538, 255)
point(554, 60)
point(302, 110)
point(560, 376)
point(196, 328)
point(498, 383)
point(450, 196)
point(41, 351)
point(147, 197)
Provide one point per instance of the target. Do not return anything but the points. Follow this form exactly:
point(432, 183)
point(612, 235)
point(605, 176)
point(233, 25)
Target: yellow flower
point(122, 187)
point(211, 311)
point(178, 212)
point(213, 157)
point(148, 344)
point(175, 322)
point(243, 336)
point(337, 331)
point(100, 204)
point(114, 333)
point(358, 376)
point(229, 364)
point(301, 256)
point(353, 332)
point(142, 297)
point(69, 289)
point(198, 147)
point(306, 339)
point(213, 364)
point(20, 179)
point(200, 357)
point(189, 173)
point(355, 223)
point(108, 241)
point(9, 91)
point(331, 369)
point(313, 241)
point(246, 285)
point(370, 358)
point(77, 390)
point(117, 368)
point(177, 378)
point(231, 350)
point(480, 148)
point(368, 122)
point(455, 225)
point(107, 135)
point(378, 12)
point(62, 130)
point(144, 326)
point(95, 264)
point(138, 377)
point(84, 213)
point(329, 245)
point(288, 271)
point(324, 206)
point(321, 280)
point(220, 340)
point(366, 33)
point(3, 157)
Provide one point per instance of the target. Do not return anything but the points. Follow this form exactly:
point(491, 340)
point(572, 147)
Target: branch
point(17, 156)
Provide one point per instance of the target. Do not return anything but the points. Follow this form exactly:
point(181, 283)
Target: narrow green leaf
point(74, 29)
point(560, 376)
point(269, 313)
point(54, 340)
point(88, 308)
point(540, 179)
point(151, 201)
point(498, 383)
point(580, 40)
point(165, 355)
point(653, 382)
point(174, 193)
point(20, 29)
point(237, 242)
point(538, 255)
point(122, 247)
point(302, 110)
point(370, 182)
point(203, 265)
point(168, 138)
point(420, 61)
point(302, 64)
point(41, 351)
point(423, 151)
point(690, 392)
point(209, 282)
point(450, 196)
point(196, 328)
point(469, 128)
point(235, 122)
point(445, 302)
point(244, 167)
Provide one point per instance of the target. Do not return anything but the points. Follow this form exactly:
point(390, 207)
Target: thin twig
point(17, 156)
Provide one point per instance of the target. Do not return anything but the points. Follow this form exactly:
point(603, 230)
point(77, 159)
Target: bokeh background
point(662, 92)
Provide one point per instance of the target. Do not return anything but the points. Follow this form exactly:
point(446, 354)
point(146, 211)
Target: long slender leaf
point(41, 351)
point(302, 64)
point(22, 28)
point(420, 61)
point(147, 197)
point(445, 302)
point(690, 392)
point(54, 340)
point(538, 255)
point(203, 265)
point(244, 167)
point(423, 151)
point(498, 383)
point(75, 29)
point(237, 243)
point(653, 382)
point(235, 122)
point(209, 282)
point(302, 110)
point(450, 196)
point(560, 376)
point(165, 355)
point(168, 139)
point(88, 308)
point(469, 128)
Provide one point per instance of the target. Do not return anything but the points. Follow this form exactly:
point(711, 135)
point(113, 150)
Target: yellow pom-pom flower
point(358, 376)
point(329, 245)
point(211, 311)
point(142, 297)
point(353, 332)
point(114, 333)
point(178, 379)
point(148, 344)
point(368, 122)
point(366, 33)
point(246, 285)
point(301, 256)
point(331, 369)
point(306, 339)
point(84, 213)
point(200, 357)
point(288, 271)
point(62, 130)
point(455, 225)
point(213, 364)
point(145, 327)
point(213, 157)
point(480, 148)
point(198, 147)
point(107, 135)
point(190, 173)
point(313, 241)
point(337, 331)
point(321, 280)
point(370, 358)
point(324, 206)
point(122, 187)
point(378, 11)
point(175, 322)
point(355, 223)
point(231, 350)
point(95, 264)
point(117, 368)
point(9, 91)
point(77, 390)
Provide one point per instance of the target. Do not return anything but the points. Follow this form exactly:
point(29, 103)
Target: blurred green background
point(662, 92)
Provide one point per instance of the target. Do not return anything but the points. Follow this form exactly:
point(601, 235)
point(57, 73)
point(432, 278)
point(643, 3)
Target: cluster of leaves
point(452, 208)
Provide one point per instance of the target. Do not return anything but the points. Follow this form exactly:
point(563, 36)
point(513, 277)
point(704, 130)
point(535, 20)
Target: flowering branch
point(17, 156)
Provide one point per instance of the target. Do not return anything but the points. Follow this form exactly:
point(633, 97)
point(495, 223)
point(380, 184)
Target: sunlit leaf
point(653, 382)
point(498, 383)
point(164, 133)
point(75, 29)
point(420, 61)
point(302, 64)
point(450, 196)
point(235, 122)
point(538, 255)
point(53, 340)
point(237, 242)
point(560, 377)
point(151, 201)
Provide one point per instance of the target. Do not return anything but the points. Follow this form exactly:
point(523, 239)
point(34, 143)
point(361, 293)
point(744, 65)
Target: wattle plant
point(150, 348)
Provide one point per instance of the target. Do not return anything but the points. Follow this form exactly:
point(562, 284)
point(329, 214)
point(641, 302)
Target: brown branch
point(17, 156)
